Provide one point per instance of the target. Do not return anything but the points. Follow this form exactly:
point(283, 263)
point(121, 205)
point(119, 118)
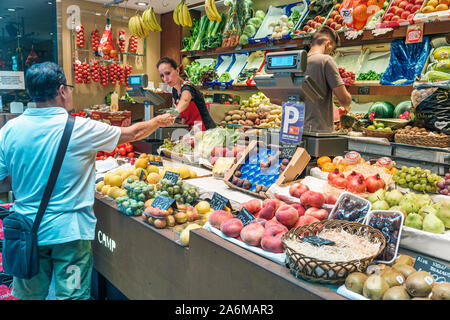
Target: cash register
point(285, 80)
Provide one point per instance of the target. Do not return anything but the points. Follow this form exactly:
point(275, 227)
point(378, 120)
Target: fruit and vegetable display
point(95, 40)
point(195, 71)
point(281, 28)
point(402, 11)
point(438, 68)
point(415, 178)
point(434, 5)
point(369, 75)
point(347, 76)
point(80, 36)
point(252, 26)
point(444, 185)
point(317, 8)
point(239, 13)
point(397, 281)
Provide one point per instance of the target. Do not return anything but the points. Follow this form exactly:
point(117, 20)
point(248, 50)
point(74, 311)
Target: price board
point(317, 241)
point(171, 176)
point(219, 202)
point(287, 150)
point(245, 216)
point(156, 163)
point(163, 203)
point(440, 272)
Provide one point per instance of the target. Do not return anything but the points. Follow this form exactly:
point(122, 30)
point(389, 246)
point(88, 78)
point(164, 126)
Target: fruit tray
point(387, 15)
point(443, 15)
point(379, 134)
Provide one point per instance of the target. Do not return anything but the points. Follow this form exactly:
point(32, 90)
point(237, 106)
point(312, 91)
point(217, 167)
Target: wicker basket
point(379, 134)
point(427, 141)
point(322, 271)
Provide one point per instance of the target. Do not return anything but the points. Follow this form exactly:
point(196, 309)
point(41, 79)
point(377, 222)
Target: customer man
point(28, 146)
point(323, 70)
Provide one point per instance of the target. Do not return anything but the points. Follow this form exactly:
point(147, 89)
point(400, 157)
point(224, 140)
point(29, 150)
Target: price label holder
point(223, 87)
point(317, 241)
point(219, 202)
point(156, 163)
point(171, 176)
point(163, 203)
point(245, 216)
point(364, 90)
point(414, 33)
point(238, 47)
point(288, 150)
point(440, 272)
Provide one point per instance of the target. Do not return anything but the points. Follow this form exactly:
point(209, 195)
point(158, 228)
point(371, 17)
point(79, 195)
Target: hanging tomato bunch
point(86, 73)
point(121, 45)
point(132, 44)
point(94, 71)
point(80, 36)
point(113, 73)
point(78, 71)
point(104, 76)
point(95, 40)
point(120, 74)
point(126, 72)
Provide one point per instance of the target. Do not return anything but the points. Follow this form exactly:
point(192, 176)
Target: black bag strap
point(55, 171)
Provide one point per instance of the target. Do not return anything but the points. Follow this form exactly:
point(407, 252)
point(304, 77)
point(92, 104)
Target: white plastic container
point(363, 205)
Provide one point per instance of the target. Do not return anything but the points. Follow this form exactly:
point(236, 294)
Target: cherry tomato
point(122, 151)
point(130, 155)
point(129, 149)
point(99, 153)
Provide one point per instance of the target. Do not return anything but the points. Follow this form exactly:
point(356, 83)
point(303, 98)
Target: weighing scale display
point(135, 81)
point(282, 62)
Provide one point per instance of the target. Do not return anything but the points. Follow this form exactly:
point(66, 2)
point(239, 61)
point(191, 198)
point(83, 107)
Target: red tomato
point(116, 150)
point(130, 155)
point(97, 158)
point(99, 153)
point(122, 151)
point(129, 148)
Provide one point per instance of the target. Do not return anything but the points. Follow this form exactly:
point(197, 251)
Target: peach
point(395, 18)
point(271, 239)
point(416, 7)
point(329, 21)
point(331, 199)
point(268, 212)
point(393, 9)
point(312, 198)
point(297, 189)
point(261, 221)
point(232, 227)
point(216, 218)
point(399, 12)
point(252, 233)
point(299, 208)
point(403, 4)
point(409, 7)
point(287, 215)
point(276, 202)
point(272, 222)
point(253, 206)
point(319, 214)
point(405, 14)
point(388, 16)
point(306, 219)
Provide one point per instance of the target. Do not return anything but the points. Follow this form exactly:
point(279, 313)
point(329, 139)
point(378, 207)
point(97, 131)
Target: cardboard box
point(119, 119)
point(295, 167)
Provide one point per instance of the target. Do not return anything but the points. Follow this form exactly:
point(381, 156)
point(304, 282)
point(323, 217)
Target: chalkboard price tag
point(288, 150)
point(163, 202)
point(141, 176)
point(245, 216)
point(219, 202)
point(171, 176)
point(223, 86)
point(156, 163)
point(364, 90)
point(440, 272)
point(315, 240)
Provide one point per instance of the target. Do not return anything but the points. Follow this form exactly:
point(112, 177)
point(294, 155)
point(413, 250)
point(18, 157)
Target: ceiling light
point(11, 9)
point(142, 3)
point(98, 14)
point(49, 2)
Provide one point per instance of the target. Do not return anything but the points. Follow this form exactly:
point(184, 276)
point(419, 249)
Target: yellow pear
point(105, 189)
point(153, 178)
point(99, 186)
point(115, 181)
point(152, 168)
point(141, 163)
point(107, 176)
point(114, 192)
point(184, 172)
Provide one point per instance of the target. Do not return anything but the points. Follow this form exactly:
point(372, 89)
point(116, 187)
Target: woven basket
point(428, 141)
point(379, 134)
point(322, 271)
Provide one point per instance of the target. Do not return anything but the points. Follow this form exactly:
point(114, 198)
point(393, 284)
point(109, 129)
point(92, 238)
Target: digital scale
point(286, 81)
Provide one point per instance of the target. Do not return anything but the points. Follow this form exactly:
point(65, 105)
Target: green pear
point(414, 220)
point(380, 205)
point(410, 196)
point(433, 224)
point(408, 205)
point(426, 210)
point(443, 213)
point(377, 195)
point(393, 197)
point(423, 200)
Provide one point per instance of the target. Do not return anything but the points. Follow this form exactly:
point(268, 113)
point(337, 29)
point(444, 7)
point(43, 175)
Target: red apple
point(415, 8)
point(287, 215)
point(305, 28)
point(399, 12)
point(409, 7)
point(419, 2)
point(271, 239)
point(410, 17)
point(309, 23)
point(403, 4)
point(388, 16)
point(329, 21)
point(405, 14)
point(337, 27)
point(232, 227)
point(317, 19)
point(333, 25)
point(297, 189)
point(393, 9)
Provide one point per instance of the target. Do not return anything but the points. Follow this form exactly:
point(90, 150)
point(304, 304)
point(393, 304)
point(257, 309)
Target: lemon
point(143, 156)
point(115, 181)
point(138, 173)
point(105, 189)
point(126, 174)
point(192, 174)
point(114, 192)
point(141, 163)
point(107, 176)
point(120, 171)
point(151, 169)
point(203, 207)
point(99, 186)
point(153, 178)
point(184, 172)
point(123, 193)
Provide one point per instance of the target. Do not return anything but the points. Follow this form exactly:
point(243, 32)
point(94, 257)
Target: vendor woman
point(189, 100)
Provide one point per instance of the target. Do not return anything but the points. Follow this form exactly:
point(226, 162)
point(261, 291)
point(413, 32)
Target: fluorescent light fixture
point(98, 14)
point(11, 9)
point(1, 17)
point(142, 3)
point(49, 2)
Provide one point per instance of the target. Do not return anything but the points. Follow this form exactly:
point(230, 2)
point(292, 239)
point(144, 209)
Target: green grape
point(429, 189)
point(403, 175)
point(414, 179)
point(422, 187)
point(395, 178)
point(423, 181)
point(408, 178)
point(402, 181)
point(412, 171)
point(404, 168)
point(430, 179)
point(416, 186)
point(427, 171)
point(404, 185)
point(410, 185)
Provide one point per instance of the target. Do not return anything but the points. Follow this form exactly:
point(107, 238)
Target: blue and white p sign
point(292, 120)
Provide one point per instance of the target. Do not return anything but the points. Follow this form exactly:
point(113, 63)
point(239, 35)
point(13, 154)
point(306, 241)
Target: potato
point(241, 122)
point(252, 116)
point(249, 123)
point(236, 117)
point(227, 118)
point(234, 122)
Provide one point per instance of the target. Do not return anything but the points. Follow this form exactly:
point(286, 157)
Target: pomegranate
point(332, 175)
point(354, 175)
point(374, 183)
point(356, 185)
point(340, 182)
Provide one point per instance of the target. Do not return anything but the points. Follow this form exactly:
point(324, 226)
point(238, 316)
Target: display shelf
point(132, 54)
point(430, 28)
point(232, 88)
point(380, 90)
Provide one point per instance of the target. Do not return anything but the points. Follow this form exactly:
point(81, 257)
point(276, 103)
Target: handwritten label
point(315, 240)
point(163, 202)
point(218, 202)
point(141, 176)
point(414, 33)
point(288, 150)
point(156, 163)
point(245, 216)
point(440, 272)
point(364, 90)
point(171, 176)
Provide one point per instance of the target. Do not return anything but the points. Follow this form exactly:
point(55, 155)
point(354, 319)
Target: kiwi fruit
point(441, 291)
point(393, 277)
point(375, 287)
point(405, 259)
point(419, 284)
point(377, 269)
point(355, 282)
point(405, 269)
point(396, 293)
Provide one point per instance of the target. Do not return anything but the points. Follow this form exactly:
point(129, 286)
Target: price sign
point(440, 272)
point(223, 86)
point(287, 150)
point(292, 119)
point(141, 176)
point(315, 240)
point(414, 33)
point(156, 163)
point(245, 216)
point(163, 202)
point(171, 176)
point(364, 90)
point(219, 202)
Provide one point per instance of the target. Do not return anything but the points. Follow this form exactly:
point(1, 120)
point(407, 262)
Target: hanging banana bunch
point(211, 11)
point(149, 20)
point(181, 15)
point(136, 27)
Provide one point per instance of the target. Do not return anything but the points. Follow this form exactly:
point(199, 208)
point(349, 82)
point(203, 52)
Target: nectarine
point(271, 239)
point(232, 227)
point(216, 218)
point(312, 198)
point(287, 215)
point(252, 233)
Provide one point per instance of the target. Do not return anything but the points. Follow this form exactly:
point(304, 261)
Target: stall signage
point(317, 241)
point(218, 202)
point(414, 33)
point(171, 176)
point(288, 150)
point(156, 163)
point(364, 90)
point(163, 203)
point(12, 80)
point(142, 175)
point(245, 216)
point(292, 120)
point(440, 272)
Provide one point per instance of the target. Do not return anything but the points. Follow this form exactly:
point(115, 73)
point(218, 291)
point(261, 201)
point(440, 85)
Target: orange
point(394, 170)
point(328, 167)
point(341, 167)
point(433, 3)
point(428, 9)
point(441, 7)
point(322, 160)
